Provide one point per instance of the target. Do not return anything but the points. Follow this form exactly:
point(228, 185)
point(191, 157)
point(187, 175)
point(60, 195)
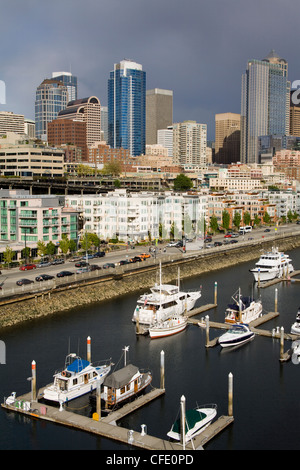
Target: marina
point(206, 369)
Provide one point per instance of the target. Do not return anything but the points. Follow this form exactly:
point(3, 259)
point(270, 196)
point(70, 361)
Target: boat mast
point(126, 348)
point(178, 278)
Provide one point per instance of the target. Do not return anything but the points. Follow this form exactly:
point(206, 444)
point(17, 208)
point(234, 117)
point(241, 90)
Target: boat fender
point(63, 373)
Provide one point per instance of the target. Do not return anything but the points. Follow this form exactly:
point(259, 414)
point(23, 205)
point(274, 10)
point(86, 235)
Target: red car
point(25, 267)
point(228, 235)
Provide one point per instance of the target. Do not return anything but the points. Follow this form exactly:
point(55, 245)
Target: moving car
point(135, 259)
point(124, 261)
point(228, 235)
point(43, 264)
point(64, 273)
point(26, 267)
point(94, 267)
point(109, 265)
point(145, 255)
point(22, 282)
point(218, 243)
point(81, 264)
point(99, 254)
point(85, 269)
point(43, 277)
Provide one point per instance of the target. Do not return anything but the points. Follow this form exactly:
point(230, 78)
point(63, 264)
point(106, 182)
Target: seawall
point(63, 300)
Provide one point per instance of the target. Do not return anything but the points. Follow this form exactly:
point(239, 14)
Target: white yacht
point(171, 326)
point(243, 309)
point(77, 378)
point(295, 329)
point(272, 264)
point(164, 301)
point(238, 334)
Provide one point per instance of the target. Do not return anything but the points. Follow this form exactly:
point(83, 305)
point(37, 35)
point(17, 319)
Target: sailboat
point(163, 301)
point(243, 310)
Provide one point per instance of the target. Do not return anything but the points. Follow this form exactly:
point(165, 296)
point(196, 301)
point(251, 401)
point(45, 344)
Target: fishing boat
point(77, 378)
point(124, 384)
point(171, 326)
point(272, 264)
point(243, 310)
point(196, 420)
point(295, 329)
point(238, 334)
point(163, 301)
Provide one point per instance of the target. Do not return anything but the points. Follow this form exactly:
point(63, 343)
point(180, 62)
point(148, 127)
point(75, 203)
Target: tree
point(246, 218)
point(8, 255)
point(64, 244)
point(214, 223)
point(257, 220)
point(41, 248)
point(50, 249)
point(182, 183)
point(290, 216)
point(237, 220)
point(113, 168)
point(85, 242)
point(225, 219)
point(72, 246)
point(266, 218)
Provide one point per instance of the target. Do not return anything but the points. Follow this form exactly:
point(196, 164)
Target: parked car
point(208, 239)
point(172, 244)
point(43, 264)
point(124, 261)
point(26, 267)
point(22, 282)
point(267, 230)
point(99, 254)
point(218, 243)
point(43, 277)
point(234, 235)
point(109, 265)
point(76, 258)
point(234, 241)
point(209, 245)
point(228, 235)
point(81, 264)
point(64, 273)
point(58, 261)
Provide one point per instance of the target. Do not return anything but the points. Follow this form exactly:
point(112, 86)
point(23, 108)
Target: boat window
point(75, 381)
point(122, 390)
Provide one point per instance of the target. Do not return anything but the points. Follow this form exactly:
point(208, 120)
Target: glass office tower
point(68, 80)
point(51, 97)
point(127, 107)
point(264, 104)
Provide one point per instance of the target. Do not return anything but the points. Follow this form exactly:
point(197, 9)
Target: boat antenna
point(126, 349)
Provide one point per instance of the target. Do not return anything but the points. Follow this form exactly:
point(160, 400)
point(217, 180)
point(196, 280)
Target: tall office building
point(227, 137)
point(264, 103)
point(104, 123)
point(87, 110)
point(68, 80)
point(11, 122)
point(51, 97)
point(127, 107)
point(189, 143)
point(159, 112)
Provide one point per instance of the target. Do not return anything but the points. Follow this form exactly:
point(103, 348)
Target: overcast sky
point(197, 48)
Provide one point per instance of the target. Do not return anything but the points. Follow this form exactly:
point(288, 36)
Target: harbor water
point(266, 405)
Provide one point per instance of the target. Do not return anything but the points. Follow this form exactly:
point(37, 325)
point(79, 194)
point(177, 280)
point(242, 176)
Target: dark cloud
point(197, 48)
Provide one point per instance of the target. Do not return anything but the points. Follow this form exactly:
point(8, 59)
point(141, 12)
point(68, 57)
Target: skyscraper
point(51, 97)
point(264, 103)
point(159, 112)
point(227, 137)
point(127, 107)
point(189, 143)
point(68, 80)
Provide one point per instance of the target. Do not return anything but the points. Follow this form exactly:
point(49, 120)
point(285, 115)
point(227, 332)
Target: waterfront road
point(10, 276)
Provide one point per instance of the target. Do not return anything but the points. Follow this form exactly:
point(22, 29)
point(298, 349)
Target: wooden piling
point(182, 421)
point(230, 394)
point(162, 370)
point(33, 380)
point(89, 352)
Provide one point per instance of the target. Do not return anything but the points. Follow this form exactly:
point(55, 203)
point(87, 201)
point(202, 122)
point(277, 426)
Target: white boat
point(76, 379)
point(295, 329)
point(163, 301)
point(238, 334)
point(272, 264)
point(196, 420)
point(171, 326)
point(124, 384)
point(243, 310)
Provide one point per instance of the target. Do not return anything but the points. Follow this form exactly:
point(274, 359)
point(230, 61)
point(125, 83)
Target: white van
point(246, 229)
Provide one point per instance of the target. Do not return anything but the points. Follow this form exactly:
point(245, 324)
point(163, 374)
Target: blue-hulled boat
point(238, 334)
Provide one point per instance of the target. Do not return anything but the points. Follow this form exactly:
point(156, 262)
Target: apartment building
point(11, 122)
point(189, 143)
point(138, 216)
point(26, 219)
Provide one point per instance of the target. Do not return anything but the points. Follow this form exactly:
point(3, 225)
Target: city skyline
point(198, 50)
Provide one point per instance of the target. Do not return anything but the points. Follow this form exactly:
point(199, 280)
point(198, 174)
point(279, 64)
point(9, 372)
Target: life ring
point(63, 373)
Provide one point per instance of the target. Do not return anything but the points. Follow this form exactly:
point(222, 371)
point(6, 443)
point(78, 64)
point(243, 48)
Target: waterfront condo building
point(51, 97)
point(127, 107)
point(265, 99)
point(159, 112)
point(26, 219)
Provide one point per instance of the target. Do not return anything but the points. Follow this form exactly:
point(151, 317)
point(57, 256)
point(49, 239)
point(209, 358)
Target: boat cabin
point(123, 384)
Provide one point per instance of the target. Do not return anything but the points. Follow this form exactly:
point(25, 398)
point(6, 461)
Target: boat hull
point(248, 315)
point(229, 342)
point(156, 332)
point(295, 329)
